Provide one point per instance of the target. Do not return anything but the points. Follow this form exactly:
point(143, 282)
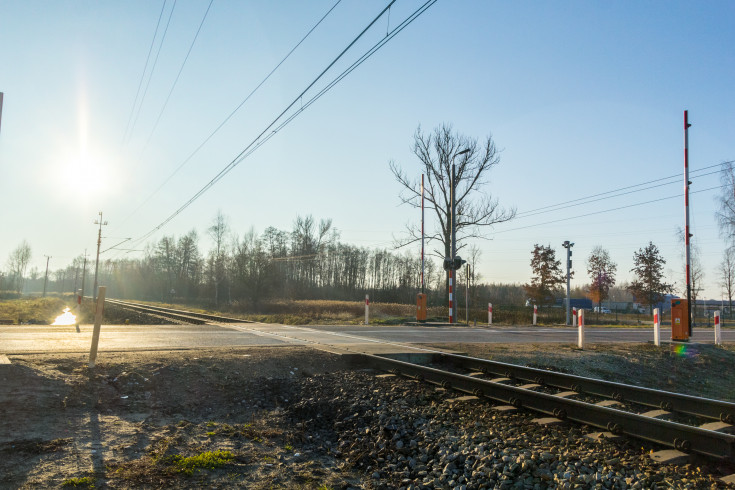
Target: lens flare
point(66, 318)
point(682, 350)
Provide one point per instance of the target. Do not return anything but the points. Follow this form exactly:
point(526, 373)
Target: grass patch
point(208, 460)
point(84, 481)
point(41, 311)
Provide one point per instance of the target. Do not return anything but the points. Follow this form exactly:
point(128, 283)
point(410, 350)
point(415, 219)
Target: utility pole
point(84, 270)
point(97, 262)
point(568, 245)
point(454, 262)
point(467, 298)
point(687, 235)
point(45, 279)
point(422, 234)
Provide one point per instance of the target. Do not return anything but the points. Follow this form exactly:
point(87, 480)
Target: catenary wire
point(589, 200)
point(257, 141)
point(145, 69)
point(178, 75)
point(153, 68)
point(607, 210)
point(676, 176)
point(206, 140)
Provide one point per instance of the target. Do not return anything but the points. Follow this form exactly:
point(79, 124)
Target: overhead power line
point(145, 68)
point(591, 198)
point(153, 68)
point(272, 128)
point(178, 75)
point(206, 140)
point(677, 196)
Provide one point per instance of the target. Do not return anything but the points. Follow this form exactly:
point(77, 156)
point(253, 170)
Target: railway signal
point(568, 245)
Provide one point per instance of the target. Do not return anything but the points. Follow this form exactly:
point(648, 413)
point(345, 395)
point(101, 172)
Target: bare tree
point(726, 214)
point(217, 264)
point(696, 271)
point(727, 275)
point(18, 264)
point(475, 208)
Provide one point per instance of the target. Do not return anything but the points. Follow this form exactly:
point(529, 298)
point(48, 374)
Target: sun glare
point(91, 176)
point(66, 318)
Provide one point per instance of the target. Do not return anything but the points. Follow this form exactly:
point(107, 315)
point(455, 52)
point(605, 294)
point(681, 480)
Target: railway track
point(179, 315)
point(687, 423)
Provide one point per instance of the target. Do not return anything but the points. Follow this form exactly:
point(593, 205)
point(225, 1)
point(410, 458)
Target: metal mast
point(687, 235)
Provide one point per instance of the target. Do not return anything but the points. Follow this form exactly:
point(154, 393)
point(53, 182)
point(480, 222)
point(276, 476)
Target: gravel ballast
point(291, 418)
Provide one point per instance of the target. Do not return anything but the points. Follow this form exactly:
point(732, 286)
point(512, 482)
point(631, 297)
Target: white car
point(602, 310)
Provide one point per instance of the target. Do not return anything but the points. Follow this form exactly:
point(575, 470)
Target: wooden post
point(97, 322)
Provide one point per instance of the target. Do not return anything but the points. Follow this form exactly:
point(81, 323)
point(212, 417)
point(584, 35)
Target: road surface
point(18, 339)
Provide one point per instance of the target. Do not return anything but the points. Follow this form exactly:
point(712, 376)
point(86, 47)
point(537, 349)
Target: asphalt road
point(44, 338)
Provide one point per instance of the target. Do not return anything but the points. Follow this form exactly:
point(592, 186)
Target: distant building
point(579, 303)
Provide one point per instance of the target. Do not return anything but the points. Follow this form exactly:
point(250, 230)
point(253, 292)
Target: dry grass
point(304, 312)
point(33, 310)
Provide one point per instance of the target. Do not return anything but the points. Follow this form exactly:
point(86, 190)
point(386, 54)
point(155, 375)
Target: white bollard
point(97, 322)
point(367, 309)
point(574, 317)
point(535, 313)
point(656, 328)
point(489, 313)
point(718, 332)
point(580, 330)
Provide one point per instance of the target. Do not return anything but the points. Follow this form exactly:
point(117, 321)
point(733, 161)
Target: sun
point(87, 173)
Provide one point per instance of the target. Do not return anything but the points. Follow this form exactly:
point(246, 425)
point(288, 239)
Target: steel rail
point(686, 438)
point(665, 400)
point(179, 314)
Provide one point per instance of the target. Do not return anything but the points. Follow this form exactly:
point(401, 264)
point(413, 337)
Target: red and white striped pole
point(451, 296)
point(367, 309)
point(687, 235)
point(535, 313)
point(718, 332)
point(574, 317)
point(656, 328)
point(489, 313)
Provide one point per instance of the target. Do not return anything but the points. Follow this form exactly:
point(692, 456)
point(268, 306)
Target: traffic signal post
point(454, 262)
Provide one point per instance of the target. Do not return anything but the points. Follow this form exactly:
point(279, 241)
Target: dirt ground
point(132, 420)
point(225, 418)
point(694, 369)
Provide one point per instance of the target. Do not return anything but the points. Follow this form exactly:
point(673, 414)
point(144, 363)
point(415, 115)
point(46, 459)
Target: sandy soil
point(127, 422)
point(223, 418)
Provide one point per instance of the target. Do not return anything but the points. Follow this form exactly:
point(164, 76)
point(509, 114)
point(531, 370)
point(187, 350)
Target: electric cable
point(153, 68)
point(257, 141)
point(558, 207)
point(675, 176)
point(173, 86)
point(608, 210)
point(145, 68)
point(252, 92)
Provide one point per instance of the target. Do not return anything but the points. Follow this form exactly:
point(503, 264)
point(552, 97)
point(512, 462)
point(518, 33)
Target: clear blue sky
point(583, 98)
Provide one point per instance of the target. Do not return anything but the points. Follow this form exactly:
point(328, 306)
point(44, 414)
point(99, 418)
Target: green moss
point(85, 481)
point(204, 461)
